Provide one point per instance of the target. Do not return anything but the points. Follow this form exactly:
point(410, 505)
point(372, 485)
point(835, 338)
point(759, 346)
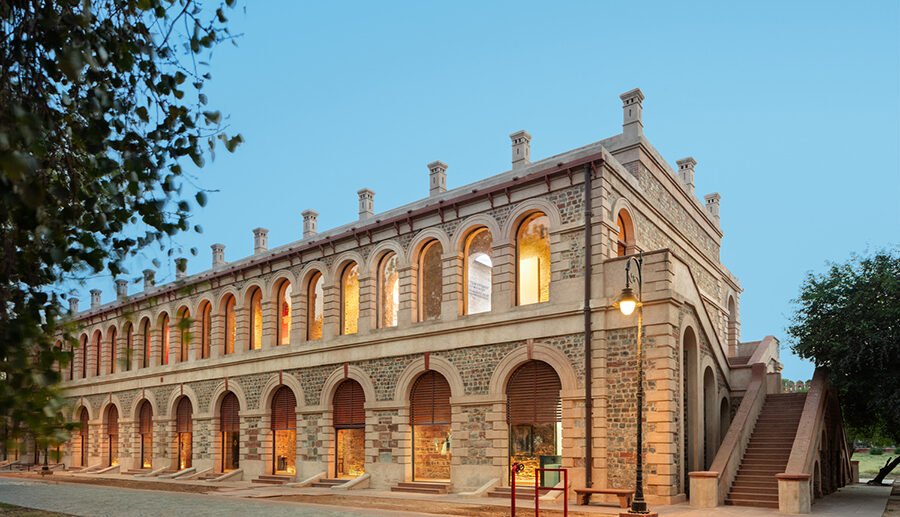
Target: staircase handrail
point(728, 458)
point(809, 429)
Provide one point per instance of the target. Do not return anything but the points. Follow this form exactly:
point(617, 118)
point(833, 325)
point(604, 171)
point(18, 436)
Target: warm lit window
point(477, 275)
point(350, 299)
point(230, 327)
point(622, 238)
point(315, 308)
point(112, 349)
point(145, 333)
point(388, 291)
point(205, 329)
point(184, 332)
point(256, 320)
point(164, 326)
point(284, 314)
point(430, 281)
point(533, 250)
point(129, 346)
point(98, 347)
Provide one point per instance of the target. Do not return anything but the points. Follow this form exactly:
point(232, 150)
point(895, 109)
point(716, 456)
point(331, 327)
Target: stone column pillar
point(331, 308)
point(217, 343)
point(298, 314)
point(368, 300)
point(270, 318)
point(408, 300)
point(242, 328)
point(452, 288)
point(503, 277)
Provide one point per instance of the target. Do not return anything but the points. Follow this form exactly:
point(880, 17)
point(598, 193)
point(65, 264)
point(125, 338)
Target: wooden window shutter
point(430, 400)
point(230, 422)
point(532, 395)
point(146, 419)
point(183, 416)
point(112, 421)
point(284, 409)
point(349, 402)
point(83, 418)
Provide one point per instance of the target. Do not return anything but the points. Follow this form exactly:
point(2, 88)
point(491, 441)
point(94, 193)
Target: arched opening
point(83, 355)
point(724, 419)
point(315, 308)
point(230, 324)
point(388, 291)
point(72, 358)
point(533, 264)
point(284, 432)
point(184, 334)
point(709, 417)
point(147, 344)
point(732, 338)
point(283, 314)
point(145, 431)
point(82, 442)
point(430, 281)
point(350, 299)
point(184, 432)
point(165, 338)
point(112, 436)
point(349, 416)
point(113, 335)
point(255, 341)
point(129, 346)
point(477, 271)
point(690, 419)
point(534, 416)
point(98, 352)
point(230, 427)
point(430, 420)
point(625, 237)
point(205, 329)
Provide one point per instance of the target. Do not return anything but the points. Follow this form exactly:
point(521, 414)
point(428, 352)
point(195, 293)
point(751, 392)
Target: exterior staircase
point(522, 492)
point(419, 487)
point(273, 480)
point(767, 452)
point(208, 475)
point(135, 471)
point(328, 483)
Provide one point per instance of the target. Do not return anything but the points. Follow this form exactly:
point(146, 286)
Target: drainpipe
point(588, 273)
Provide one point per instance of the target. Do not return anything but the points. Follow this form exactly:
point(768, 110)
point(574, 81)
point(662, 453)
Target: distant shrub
point(876, 451)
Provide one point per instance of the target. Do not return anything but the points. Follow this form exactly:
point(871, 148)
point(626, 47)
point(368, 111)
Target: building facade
point(439, 341)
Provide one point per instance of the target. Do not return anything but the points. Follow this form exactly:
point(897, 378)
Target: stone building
point(439, 341)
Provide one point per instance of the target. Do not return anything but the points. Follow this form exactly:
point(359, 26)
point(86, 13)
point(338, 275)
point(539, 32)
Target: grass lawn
point(8, 510)
point(870, 465)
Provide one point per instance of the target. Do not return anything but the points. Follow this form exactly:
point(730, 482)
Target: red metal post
point(513, 503)
point(565, 492)
point(537, 492)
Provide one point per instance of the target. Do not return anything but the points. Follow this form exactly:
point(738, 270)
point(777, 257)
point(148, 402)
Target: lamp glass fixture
point(627, 301)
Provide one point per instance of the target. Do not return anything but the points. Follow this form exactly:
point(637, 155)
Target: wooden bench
point(584, 495)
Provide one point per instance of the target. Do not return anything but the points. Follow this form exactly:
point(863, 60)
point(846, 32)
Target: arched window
point(113, 334)
point(145, 429)
point(72, 357)
point(283, 320)
point(98, 351)
point(256, 320)
point(388, 291)
point(533, 251)
point(129, 346)
point(84, 355)
point(230, 327)
point(164, 329)
point(315, 308)
point(184, 428)
point(205, 329)
point(145, 334)
point(230, 427)
point(430, 281)
point(350, 299)
point(112, 436)
point(83, 434)
point(284, 430)
point(430, 419)
point(534, 416)
point(184, 333)
point(625, 238)
point(349, 429)
point(478, 271)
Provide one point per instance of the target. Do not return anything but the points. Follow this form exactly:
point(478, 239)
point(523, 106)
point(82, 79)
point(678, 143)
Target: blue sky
point(792, 110)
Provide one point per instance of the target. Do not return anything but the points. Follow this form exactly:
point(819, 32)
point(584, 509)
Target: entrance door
point(112, 434)
point(350, 430)
point(284, 431)
point(145, 427)
point(534, 415)
point(430, 419)
point(83, 437)
point(230, 426)
point(184, 428)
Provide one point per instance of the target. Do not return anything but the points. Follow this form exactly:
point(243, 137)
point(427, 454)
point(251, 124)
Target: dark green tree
point(847, 321)
point(100, 103)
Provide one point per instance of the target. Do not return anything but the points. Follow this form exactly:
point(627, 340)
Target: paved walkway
point(98, 501)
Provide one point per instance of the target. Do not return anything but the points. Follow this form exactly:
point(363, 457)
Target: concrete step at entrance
point(273, 480)
point(420, 487)
point(522, 492)
point(328, 483)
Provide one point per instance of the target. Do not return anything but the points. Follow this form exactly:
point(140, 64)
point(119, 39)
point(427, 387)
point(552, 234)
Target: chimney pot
point(632, 126)
point(366, 203)
point(149, 281)
point(121, 288)
point(73, 305)
point(310, 223)
point(712, 204)
point(95, 298)
point(218, 255)
point(180, 268)
point(437, 177)
point(686, 172)
point(521, 149)
point(260, 240)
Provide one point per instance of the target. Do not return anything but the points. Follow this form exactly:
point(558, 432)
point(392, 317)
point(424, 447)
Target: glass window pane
point(431, 281)
point(164, 357)
point(230, 327)
point(389, 295)
point(479, 265)
point(533, 247)
point(350, 298)
point(284, 315)
point(256, 320)
point(316, 308)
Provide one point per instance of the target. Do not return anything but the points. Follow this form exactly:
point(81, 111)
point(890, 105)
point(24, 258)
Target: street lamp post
point(627, 303)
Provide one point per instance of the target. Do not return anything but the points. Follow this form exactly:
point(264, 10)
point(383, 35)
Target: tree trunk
point(889, 465)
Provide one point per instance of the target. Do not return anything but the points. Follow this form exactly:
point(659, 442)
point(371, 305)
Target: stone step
point(522, 492)
point(328, 483)
point(751, 502)
point(421, 488)
point(272, 480)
